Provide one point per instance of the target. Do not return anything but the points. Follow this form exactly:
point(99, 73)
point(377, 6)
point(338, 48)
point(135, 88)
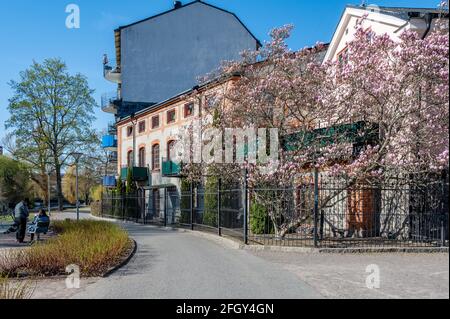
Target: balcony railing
point(109, 143)
point(139, 174)
point(112, 129)
point(110, 102)
point(170, 168)
point(112, 73)
point(109, 181)
point(113, 157)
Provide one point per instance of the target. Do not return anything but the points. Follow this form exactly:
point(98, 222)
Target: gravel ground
point(403, 276)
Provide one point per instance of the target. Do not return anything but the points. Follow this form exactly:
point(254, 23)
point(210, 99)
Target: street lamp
point(77, 157)
point(49, 172)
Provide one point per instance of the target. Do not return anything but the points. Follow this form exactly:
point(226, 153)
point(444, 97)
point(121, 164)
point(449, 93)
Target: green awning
point(360, 133)
point(162, 186)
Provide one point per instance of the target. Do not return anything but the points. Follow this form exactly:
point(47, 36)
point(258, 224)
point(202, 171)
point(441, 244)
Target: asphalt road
point(184, 266)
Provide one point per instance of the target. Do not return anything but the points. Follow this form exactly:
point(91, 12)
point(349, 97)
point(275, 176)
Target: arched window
point(142, 157)
point(130, 159)
point(171, 150)
point(155, 157)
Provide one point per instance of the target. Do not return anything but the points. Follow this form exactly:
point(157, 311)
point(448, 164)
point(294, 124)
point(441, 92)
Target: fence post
point(316, 207)
point(165, 207)
point(219, 205)
point(138, 205)
point(122, 202)
point(246, 207)
point(444, 196)
point(192, 206)
point(101, 203)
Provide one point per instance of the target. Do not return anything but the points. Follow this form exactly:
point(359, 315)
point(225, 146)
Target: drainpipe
point(428, 19)
point(133, 121)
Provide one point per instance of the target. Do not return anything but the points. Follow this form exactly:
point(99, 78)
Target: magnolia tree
point(380, 111)
point(403, 88)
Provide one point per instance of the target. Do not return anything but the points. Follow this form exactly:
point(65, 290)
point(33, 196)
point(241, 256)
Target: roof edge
point(214, 82)
point(186, 5)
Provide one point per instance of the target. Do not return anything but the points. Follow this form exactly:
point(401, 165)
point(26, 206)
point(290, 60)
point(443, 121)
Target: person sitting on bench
point(40, 225)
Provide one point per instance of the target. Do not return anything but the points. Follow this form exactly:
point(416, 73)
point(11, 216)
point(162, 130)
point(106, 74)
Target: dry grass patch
point(94, 246)
point(15, 290)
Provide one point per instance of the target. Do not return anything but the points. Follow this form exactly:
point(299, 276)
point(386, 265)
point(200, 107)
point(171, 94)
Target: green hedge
point(185, 202)
point(210, 214)
point(260, 222)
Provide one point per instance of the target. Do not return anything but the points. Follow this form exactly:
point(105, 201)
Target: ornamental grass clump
point(15, 290)
point(93, 246)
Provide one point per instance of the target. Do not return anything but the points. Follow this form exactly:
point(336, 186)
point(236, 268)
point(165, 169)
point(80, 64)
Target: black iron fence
point(319, 211)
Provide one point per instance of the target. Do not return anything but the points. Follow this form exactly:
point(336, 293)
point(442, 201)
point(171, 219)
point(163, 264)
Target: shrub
point(96, 208)
point(130, 188)
point(185, 202)
point(94, 246)
point(260, 222)
point(119, 187)
point(210, 214)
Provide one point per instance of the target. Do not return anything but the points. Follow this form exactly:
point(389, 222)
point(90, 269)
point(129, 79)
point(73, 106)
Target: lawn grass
point(94, 246)
point(6, 219)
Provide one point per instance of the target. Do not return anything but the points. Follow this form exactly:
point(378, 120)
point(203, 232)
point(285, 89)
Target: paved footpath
point(171, 264)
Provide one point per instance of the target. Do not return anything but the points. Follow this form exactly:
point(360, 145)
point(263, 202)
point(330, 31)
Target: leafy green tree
point(260, 222)
point(35, 154)
point(69, 185)
point(14, 180)
point(52, 110)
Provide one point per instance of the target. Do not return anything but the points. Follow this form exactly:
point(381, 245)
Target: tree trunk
point(59, 188)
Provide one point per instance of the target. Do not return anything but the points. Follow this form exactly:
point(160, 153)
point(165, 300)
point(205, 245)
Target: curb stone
point(123, 263)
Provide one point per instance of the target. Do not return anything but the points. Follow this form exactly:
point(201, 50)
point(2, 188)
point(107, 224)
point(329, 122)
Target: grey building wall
point(164, 56)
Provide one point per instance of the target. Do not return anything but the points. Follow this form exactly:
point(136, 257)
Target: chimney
point(177, 4)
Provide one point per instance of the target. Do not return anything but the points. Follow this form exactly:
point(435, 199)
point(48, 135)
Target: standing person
point(21, 214)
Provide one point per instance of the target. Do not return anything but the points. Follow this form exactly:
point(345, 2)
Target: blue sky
point(35, 30)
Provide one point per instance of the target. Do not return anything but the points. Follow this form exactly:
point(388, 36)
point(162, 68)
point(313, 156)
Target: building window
point(171, 116)
point(142, 127)
point(129, 131)
point(189, 110)
point(171, 150)
point(130, 159)
point(211, 101)
point(155, 158)
point(155, 122)
point(142, 157)
point(342, 57)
